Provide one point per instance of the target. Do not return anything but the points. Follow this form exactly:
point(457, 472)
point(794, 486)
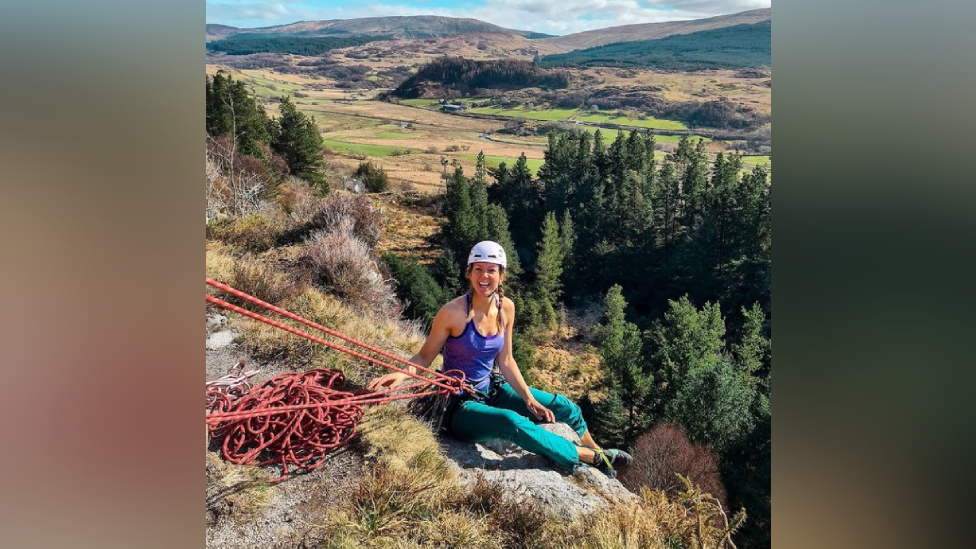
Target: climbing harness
point(299, 418)
point(438, 410)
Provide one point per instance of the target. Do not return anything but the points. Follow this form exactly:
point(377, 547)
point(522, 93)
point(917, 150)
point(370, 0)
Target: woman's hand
point(389, 381)
point(542, 413)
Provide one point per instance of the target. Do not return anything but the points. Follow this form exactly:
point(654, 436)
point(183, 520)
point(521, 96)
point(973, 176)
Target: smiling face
point(485, 277)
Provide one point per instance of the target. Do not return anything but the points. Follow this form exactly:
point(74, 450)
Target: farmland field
point(358, 148)
point(493, 161)
point(408, 138)
point(757, 160)
point(650, 122)
point(549, 114)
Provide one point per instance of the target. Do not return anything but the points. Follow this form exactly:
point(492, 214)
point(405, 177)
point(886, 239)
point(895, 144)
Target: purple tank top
point(473, 353)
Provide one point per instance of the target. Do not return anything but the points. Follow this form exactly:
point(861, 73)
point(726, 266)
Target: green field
point(423, 103)
point(434, 104)
point(357, 148)
point(756, 160)
point(269, 88)
point(611, 134)
point(549, 115)
point(493, 161)
point(650, 122)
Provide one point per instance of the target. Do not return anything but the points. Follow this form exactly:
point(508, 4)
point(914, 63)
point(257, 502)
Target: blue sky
point(550, 16)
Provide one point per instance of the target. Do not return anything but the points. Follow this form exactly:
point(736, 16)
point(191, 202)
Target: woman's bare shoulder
point(454, 309)
point(508, 305)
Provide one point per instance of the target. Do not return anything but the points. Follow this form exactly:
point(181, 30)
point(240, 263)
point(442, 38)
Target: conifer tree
point(599, 155)
point(479, 199)
point(296, 138)
point(461, 227)
point(607, 418)
point(693, 183)
point(416, 288)
point(498, 231)
point(620, 355)
point(447, 272)
point(232, 110)
point(714, 405)
point(752, 350)
point(667, 206)
point(549, 269)
point(567, 243)
point(687, 340)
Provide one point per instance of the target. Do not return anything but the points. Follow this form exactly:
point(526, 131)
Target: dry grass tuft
point(339, 208)
point(256, 232)
point(268, 343)
point(345, 265)
point(401, 441)
point(220, 262)
point(262, 282)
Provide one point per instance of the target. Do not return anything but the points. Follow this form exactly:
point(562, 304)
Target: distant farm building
point(452, 108)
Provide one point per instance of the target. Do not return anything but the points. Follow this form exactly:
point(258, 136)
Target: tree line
point(239, 126)
point(679, 252)
point(246, 44)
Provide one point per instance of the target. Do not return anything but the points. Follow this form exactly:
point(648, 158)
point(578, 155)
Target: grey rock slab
point(221, 339)
point(532, 478)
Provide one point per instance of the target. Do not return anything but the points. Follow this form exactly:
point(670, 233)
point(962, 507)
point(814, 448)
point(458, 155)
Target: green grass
point(549, 114)
point(650, 122)
point(357, 148)
point(493, 161)
point(423, 103)
point(264, 87)
point(756, 160)
point(610, 134)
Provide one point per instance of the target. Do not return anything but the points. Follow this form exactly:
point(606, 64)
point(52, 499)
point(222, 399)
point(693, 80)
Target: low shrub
point(298, 200)
point(665, 452)
point(373, 176)
point(367, 223)
point(344, 264)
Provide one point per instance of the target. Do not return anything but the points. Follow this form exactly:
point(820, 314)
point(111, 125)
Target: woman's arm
point(439, 331)
point(510, 369)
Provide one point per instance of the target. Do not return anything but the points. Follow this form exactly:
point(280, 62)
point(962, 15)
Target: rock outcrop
point(535, 479)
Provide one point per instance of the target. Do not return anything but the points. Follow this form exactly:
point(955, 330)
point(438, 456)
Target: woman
point(473, 332)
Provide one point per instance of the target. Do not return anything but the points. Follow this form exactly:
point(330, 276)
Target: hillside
point(734, 47)
point(454, 75)
point(415, 26)
point(653, 31)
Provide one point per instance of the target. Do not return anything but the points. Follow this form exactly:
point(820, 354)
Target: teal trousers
point(505, 416)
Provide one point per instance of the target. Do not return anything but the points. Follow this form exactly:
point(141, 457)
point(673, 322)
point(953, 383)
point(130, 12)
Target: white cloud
point(550, 16)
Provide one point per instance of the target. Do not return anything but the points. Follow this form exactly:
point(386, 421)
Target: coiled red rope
point(299, 418)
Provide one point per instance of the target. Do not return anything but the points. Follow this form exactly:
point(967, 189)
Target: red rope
point(299, 418)
point(305, 321)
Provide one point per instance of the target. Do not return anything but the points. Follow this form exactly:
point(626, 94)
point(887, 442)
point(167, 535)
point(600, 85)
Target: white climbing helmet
point(488, 252)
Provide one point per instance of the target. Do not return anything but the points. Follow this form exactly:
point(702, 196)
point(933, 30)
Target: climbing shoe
point(609, 462)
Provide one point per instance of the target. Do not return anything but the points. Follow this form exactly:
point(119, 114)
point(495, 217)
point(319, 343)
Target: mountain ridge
point(397, 26)
point(435, 26)
point(652, 31)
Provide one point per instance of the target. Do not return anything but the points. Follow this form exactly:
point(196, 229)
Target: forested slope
point(729, 48)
